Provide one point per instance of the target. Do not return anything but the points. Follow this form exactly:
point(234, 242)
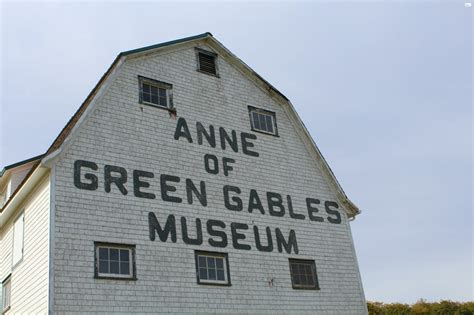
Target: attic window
point(156, 93)
point(262, 120)
point(207, 62)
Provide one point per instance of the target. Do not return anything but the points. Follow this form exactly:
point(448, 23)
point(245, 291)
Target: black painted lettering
point(328, 205)
point(254, 202)
point(211, 224)
point(246, 144)
point(154, 226)
point(283, 243)
point(213, 166)
point(184, 230)
point(166, 188)
point(231, 141)
point(275, 200)
point(258, 244)
point(293, 215)
point(119, 181)
point(210, 137)
point(191, 189)
point(93, 183)
point(138, 183)
point(182, 130)
point(312, 209)
point(237, 202)
point(226, 167)
point(236, 236)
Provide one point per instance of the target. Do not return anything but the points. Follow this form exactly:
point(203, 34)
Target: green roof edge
point(6, 168)
point(176, 41)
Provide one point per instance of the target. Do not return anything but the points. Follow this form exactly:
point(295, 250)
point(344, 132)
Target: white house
point(185, 183)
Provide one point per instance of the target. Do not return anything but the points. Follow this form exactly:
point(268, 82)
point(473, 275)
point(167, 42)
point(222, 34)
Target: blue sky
point(384, 88)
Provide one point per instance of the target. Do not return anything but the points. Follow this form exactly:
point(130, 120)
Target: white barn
point(185, 183)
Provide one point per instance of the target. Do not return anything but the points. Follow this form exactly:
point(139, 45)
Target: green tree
point(375, 308)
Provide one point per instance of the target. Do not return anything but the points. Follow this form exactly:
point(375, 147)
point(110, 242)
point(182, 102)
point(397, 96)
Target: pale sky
point(385, 90)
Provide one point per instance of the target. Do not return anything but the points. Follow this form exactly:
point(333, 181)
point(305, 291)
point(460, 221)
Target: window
point(18, 235)
point(6, 294)
point(156, 93)
point(303, 274)
point(207, 62)
point(263, 121)
point(115, 261)
point(212, 268)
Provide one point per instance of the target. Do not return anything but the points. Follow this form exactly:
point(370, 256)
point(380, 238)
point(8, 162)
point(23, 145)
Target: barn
point(185, 183)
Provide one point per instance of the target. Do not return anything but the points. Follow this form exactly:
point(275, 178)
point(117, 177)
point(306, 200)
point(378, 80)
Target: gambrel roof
point(208, 39)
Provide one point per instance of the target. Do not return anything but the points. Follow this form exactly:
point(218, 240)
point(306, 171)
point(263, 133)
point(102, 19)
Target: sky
point(385, 89)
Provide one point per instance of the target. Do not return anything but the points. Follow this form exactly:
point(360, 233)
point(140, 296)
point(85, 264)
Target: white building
point(185, 183)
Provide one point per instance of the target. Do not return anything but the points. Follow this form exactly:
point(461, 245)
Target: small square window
point(6, 294)
point(212, 268)
point(303, 274)
point(263, 121)
point(207, 62)
point(114, 261)
point(156, 93)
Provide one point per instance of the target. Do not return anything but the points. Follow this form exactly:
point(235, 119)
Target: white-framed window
point(115, 261)
point(212, 268)
point(303, 274)
point(6, 294)
point(207, 62)
point(156, 93)
point(18, 239)
point(262, 120)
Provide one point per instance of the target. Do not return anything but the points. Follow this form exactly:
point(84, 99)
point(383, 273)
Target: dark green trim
point(177, 41)
point(6, 168)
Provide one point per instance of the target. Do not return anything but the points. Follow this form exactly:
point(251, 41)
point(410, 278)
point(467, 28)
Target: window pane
point(296, 280)
point(220, 263)
point(103, 253)
point(114, 267)
point(103, 266)
point(263, 125)
point(162, 93)
point(203, 273)
point(256, 122)
point(154, 90)
point(146, 97)
point(301, 269)
point(124, 255)
point(308, 270)
point(154, 99)
point(163, 101)
point(212, 274)
point(211, 263)
point(146, 88)
point(311, 280)
point(220, 275)
point(125, 268)
point(303, 280)
point(202, 261)
point(114, 254)
point(269, 124)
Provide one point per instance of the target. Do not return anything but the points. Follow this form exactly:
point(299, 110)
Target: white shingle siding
point(124, 133)
point(29, 280)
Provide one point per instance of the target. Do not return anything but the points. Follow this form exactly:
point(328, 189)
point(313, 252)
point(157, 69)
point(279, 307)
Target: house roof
point(65, 132)
point(9, 167)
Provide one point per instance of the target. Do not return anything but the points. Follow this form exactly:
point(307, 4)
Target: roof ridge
point(171, 42)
